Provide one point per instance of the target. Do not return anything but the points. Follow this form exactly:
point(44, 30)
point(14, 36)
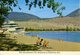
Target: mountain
point(74, 13)
point(20, 16)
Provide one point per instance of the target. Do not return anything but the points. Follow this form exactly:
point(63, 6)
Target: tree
point(6, 6)
point(67, 28)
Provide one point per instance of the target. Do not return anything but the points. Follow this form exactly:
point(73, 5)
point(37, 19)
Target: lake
point(66, 36)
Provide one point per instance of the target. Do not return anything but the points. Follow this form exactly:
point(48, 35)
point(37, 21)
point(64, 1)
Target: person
point(45, 44)
point(15, 37)
point(41, 42)
point(38, 41)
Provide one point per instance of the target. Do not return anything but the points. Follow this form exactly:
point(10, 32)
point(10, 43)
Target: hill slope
point(74, 13)
point(19, 16)
point(56, 23)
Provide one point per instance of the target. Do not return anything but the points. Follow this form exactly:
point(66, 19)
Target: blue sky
point(70, 5)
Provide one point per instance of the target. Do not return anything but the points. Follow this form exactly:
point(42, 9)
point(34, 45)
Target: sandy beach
point(54, 45)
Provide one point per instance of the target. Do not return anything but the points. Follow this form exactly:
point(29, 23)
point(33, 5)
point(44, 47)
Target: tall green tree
point(6, 6)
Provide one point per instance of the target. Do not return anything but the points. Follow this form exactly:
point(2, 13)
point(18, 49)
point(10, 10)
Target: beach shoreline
point(55, 45)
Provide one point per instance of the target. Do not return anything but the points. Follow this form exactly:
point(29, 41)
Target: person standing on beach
point(38, 41)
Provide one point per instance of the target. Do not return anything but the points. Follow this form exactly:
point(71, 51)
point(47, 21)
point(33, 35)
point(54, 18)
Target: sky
point(70, 5)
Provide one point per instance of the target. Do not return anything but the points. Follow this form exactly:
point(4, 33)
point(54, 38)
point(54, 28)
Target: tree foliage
point(52, 4)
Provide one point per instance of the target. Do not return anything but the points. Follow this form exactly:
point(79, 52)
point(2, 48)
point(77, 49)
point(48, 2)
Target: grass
point(7, 44)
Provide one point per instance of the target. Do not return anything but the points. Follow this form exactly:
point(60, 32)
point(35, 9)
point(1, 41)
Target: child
point(45, 44)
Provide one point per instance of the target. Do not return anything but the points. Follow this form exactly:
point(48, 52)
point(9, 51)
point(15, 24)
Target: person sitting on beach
point(41, 42)
point(45, 44)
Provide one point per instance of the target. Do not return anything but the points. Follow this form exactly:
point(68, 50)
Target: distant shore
point(65, 29)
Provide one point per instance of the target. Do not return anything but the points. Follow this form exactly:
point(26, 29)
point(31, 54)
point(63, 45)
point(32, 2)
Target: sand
point(54, 45)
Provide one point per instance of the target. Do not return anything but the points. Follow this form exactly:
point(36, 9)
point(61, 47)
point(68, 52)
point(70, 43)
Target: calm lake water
point(66, 36)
